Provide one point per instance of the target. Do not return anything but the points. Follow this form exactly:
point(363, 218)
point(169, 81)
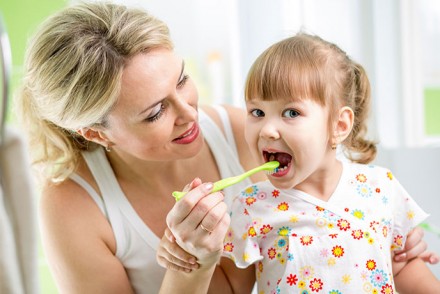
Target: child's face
point(295, 133)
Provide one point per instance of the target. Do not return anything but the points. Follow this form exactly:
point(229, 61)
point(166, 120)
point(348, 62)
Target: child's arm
point(240, 280)
point(415, 277)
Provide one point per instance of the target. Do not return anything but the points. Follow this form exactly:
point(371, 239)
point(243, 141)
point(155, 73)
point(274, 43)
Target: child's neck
point(323, 184)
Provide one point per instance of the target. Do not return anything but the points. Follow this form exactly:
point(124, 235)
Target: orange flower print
point(343, 224)
point(275, 193)
point(292, 279)
point(228, 247)
point(371, 264)
point(306, 240)
point(377, 190)
point(357, 234)
point(316, 285)
point(361, 178)
point(398, 240)
point(265, 229)
point(302, 284)
point(251, 232)
point(250, 200)
point(338, 251)
point(246, 212)
point(387, 289)
point(319, 208)
point(272, 253)
point(390, 175)
point(283, 206)
point(385, 231)
point(333, 236)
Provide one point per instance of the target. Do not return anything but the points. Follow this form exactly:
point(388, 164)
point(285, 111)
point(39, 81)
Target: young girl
point(320, 225)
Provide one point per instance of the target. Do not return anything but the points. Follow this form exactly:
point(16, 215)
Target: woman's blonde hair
point(72, 76)
point(307, 67)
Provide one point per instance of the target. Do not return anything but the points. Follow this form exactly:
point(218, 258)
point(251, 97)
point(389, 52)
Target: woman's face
point(156, 115)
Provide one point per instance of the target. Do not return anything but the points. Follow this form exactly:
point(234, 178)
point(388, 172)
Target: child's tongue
point(283, 158)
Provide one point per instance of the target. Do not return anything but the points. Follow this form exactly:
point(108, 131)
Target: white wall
point(418, 170)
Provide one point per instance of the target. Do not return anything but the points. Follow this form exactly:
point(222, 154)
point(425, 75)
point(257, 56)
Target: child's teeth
point(272, 157)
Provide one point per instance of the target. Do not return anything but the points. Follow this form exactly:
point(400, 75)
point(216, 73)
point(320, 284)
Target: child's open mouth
point(283, 158)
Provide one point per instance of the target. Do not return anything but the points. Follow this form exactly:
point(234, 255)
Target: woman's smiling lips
point(189, 136)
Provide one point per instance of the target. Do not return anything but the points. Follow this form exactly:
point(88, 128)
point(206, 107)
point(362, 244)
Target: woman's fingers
point(414, 246)
point(199, 222)
point(185, 206)
point(170, 255)
point(199, 211)
point(430, 257)
point(213, 217)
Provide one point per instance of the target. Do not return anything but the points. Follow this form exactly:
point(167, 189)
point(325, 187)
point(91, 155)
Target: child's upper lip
point(272, 150)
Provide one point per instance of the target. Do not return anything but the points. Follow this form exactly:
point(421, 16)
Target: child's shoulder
point(369, 171)
point(367, 168)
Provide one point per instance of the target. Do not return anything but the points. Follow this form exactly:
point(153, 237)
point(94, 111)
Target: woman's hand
point(171, 256)
point(415, 246)
point(199, 222)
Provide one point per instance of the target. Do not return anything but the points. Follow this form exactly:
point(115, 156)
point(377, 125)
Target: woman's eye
point(182, 81)
point(257, 112)
point(156, 113)
point(290, 113)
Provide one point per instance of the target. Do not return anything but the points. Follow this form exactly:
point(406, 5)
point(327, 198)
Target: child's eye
point(156, 113)
point(290, 113)
point(182, 81)
point(257, 112)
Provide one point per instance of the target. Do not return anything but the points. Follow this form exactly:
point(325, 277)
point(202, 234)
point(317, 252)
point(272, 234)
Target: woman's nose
point(185, 112)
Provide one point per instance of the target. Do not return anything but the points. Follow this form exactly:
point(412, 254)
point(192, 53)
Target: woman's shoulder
point(67, 211)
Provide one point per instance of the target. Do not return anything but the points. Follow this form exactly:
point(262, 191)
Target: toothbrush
point(220, 185)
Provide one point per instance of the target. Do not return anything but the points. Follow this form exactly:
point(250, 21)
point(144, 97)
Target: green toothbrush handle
point(179, 194)
point(220, 185)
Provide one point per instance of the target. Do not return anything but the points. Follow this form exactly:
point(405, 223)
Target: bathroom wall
point(418, 170)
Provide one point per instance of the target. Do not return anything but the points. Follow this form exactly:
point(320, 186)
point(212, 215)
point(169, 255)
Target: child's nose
point(269, 131)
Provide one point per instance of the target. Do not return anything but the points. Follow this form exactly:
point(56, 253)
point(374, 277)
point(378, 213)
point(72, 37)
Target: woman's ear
point(94, 136)
point(344, 124)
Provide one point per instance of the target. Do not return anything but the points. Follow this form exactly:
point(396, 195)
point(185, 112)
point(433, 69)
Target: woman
point(114, 126)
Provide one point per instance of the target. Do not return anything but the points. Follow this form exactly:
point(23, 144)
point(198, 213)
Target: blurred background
point(397, 41)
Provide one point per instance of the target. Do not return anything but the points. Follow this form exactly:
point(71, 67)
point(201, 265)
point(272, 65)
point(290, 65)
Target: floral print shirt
point(301, 244)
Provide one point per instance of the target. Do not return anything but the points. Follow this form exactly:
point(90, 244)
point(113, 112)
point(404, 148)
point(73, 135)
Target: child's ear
point(94, 136)
point(344, 124)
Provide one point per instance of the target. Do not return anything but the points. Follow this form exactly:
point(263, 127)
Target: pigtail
point(360, 149)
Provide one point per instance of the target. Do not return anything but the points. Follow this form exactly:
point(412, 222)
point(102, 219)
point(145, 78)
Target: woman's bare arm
point(78, 242)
